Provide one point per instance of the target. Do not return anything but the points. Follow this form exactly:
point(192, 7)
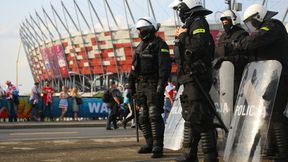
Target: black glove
point(235, 45)
point(160, 88)
point(189, 57)
point(160, 101)
point(177, 86)
point(229, 44)
point(160, 97)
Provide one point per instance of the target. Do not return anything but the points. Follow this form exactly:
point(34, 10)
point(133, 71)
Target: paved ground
point(72, 141)
point(51, 145)
point(65, 124)
point(106, 150)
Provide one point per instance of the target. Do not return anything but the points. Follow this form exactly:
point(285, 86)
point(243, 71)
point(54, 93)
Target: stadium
point(85, 59)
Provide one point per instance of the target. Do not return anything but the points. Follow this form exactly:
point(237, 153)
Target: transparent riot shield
point(174, 128)
point(253, 109)
point(222, 93)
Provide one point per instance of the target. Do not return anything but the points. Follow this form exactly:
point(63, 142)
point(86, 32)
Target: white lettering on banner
point(222, 107)
point(250, 110)
point(97, 108)
point(104, 108)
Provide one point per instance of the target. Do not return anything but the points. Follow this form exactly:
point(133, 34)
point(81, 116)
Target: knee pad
point(154, 113)
point(209, 143)
point(187, 134)
point(157, 126)
point(143, 115)
point(281, 139)
point(144, 123)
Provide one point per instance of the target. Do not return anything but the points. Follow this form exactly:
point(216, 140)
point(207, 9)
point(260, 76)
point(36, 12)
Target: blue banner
point(91, 108)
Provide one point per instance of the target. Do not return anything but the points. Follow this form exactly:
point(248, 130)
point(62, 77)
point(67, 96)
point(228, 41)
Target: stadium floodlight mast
point(233, 5)
point(17, 63)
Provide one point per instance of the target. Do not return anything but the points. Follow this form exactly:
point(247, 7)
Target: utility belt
point(147, 80)
point(189, 78)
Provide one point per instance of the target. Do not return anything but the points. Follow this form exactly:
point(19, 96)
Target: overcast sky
point(13, 12)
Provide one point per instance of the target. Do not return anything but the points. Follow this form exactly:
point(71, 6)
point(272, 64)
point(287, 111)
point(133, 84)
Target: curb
point(27, 125)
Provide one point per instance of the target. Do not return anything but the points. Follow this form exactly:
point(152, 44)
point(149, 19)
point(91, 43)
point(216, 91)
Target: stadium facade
point(86, 60)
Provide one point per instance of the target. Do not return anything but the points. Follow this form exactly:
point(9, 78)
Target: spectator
point(47, 91)
point(63, 103)
point(2, 92)
point(34, 100)
point(121, 87)
point(130, 116)
point(113, 105)
point(12, 95)
point(169, 98)
point(77, 101)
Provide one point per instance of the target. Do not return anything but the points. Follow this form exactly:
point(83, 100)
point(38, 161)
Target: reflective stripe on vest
point(164, 50)
point(265, 29)
point(197, 31)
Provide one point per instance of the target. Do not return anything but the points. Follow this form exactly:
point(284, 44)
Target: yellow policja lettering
point(164, 50)
point(197, 31)
point(264, 28)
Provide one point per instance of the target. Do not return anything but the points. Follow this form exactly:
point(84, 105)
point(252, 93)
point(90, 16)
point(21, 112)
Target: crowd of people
point(11, 93)
point(41, 100)
point(41, 111)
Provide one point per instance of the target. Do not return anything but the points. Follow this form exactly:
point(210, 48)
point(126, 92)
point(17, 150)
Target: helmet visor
point(250, 26)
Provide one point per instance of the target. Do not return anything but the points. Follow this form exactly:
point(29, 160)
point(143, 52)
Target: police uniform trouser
point(150, 118)
point(198, 124)
point(278, 131)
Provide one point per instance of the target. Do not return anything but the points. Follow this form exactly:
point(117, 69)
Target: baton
point(136, 120)
point(211, 103)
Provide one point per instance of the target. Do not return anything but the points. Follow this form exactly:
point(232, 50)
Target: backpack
point(121, 99)
point(107, 96)
point(119, 96)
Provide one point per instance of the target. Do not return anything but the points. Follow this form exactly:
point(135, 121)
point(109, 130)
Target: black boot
point(190, 144)
point(157, 152)
point(183, 159)
point(211, 157)
point(147, 148)
point(144, 149)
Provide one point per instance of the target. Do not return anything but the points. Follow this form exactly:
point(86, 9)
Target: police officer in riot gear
point(151, 68)
point(194, 50)
point(270, 42)
point(224, 51)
